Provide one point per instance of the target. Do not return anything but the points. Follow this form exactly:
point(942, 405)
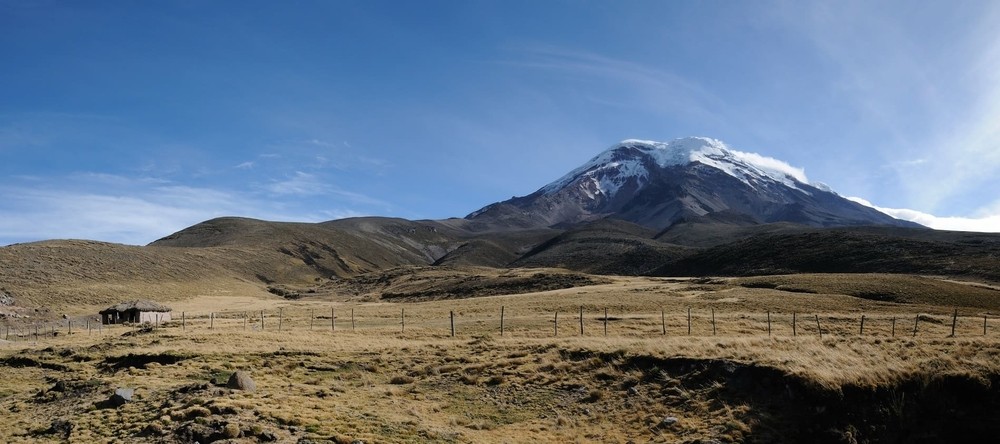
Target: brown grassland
point(380, 380)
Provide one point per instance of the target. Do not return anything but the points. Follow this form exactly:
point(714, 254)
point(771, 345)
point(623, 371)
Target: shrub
point(401, 379)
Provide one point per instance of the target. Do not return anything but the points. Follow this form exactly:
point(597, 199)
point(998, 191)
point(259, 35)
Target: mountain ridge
point(652, 230)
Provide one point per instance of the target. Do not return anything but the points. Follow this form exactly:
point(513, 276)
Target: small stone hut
point(137, 312)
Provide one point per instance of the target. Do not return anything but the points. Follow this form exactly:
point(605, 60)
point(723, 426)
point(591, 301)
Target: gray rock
point(6, 298)
point(669, 421)
point(125, 393)
point(121, 397)
point(240, 380)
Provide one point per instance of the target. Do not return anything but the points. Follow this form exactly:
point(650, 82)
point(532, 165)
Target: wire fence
point(572, 321)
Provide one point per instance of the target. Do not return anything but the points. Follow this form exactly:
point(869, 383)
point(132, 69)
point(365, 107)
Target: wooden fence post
point(70, 326)
point(581, 320)
point(402, 320)
point(333, 319)
point(451, 314)
point(954, 322)
point(605, 321)
point(769, 322)
point(689, 321)
point(501, 320)
point(819, 328)
point(713, 321)
point(794, 333)
point(352, 319)
point(555, 324)
point(262, 320)
point(183, 321)
point(663, 321)
point(88, 326)
point(862, 333)
point(211, 322)
point(916, 321)
point(894, 326)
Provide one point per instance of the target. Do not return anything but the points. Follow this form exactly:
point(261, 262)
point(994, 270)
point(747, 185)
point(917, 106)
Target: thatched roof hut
point(136, 311)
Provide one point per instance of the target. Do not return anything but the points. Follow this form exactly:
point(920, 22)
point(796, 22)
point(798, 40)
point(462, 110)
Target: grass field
point(383, 382)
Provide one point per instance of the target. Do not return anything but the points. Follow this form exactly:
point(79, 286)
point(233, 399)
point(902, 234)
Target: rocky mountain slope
point(657, 184)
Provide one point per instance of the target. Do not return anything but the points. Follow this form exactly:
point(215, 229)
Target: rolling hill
point(689, 207)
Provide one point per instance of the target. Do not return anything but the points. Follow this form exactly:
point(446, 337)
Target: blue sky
point(126, 121)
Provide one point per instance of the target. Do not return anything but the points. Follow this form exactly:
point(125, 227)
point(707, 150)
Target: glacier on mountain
point(607, 172)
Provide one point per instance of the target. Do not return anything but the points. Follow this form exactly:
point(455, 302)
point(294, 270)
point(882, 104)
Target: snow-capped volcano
point(657, 184)
point(609, 171)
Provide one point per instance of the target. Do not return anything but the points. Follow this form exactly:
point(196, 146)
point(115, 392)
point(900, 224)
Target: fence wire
point(387, 319)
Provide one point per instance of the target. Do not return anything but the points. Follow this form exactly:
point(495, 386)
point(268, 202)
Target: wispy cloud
point(986, 222)
point(300, 184)
point(314, 154)
point(935, 95)
point(306, 184)
point(138, 210)
point(133, 219)
point(627, 83)
point(771, 164)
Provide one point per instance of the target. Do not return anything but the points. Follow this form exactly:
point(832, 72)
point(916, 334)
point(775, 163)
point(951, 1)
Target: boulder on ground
point(121, 397)
point(61, 427)
point(59, 386)
point(240, 380)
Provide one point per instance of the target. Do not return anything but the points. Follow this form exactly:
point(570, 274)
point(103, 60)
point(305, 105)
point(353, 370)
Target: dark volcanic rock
point(61, 427)
point(121, 397)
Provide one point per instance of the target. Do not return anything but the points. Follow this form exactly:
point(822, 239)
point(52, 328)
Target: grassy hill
point(252, 257)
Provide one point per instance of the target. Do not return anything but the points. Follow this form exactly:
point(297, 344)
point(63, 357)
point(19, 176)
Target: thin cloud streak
point(654, 89)
point(938, 105)
point(307, 184)
point(300, 184)
point(138, 212)
point(124, 219)
point(989, 223)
